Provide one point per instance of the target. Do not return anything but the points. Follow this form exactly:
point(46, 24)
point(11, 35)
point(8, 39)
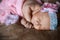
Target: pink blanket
point(7, 6)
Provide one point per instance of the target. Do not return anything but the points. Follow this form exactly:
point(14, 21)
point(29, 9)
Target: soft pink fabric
point(50, 5)
point(7, 6)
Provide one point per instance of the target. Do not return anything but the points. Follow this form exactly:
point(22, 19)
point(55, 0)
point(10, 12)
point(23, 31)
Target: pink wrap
point(7, 6)
point(50, 5)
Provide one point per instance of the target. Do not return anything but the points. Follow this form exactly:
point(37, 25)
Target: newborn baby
point(39, 17)
point(33, 17)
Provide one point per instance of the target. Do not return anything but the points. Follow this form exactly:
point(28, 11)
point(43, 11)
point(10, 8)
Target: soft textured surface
point(17, 32)
point(10, 6)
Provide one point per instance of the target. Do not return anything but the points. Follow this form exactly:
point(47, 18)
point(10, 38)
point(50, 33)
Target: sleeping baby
point(40, 17)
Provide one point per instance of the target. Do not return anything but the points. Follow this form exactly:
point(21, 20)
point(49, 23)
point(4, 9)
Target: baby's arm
point(26, 21)
point(28, 8)
point(27, 13)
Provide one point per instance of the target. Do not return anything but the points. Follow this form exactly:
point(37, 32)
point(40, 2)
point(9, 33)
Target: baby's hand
point(26, 23)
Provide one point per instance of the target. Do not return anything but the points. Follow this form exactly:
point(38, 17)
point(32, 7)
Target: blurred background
point(18, 32)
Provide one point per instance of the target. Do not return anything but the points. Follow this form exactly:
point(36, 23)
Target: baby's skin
point(33, 17)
